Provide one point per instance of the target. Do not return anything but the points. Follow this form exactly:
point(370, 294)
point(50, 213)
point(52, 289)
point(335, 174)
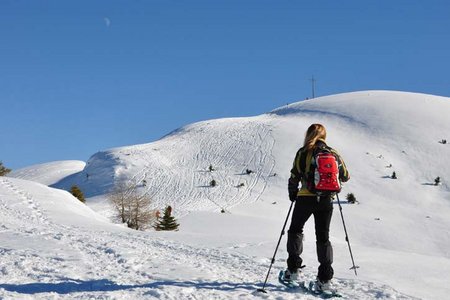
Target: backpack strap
point(304, 157)
point(308, 156)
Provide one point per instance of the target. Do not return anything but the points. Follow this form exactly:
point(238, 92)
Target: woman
point(308, 203)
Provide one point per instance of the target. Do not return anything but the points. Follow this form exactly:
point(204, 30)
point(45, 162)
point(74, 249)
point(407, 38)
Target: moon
point(107, 21)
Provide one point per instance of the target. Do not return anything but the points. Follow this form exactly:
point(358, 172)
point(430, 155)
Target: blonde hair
point(314, 133)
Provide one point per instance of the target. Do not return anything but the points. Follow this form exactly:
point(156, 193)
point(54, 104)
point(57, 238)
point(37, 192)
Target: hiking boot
point(324, 286)
point(291, 275)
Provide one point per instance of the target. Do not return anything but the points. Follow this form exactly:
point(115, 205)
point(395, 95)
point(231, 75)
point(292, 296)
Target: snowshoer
point(309, 201)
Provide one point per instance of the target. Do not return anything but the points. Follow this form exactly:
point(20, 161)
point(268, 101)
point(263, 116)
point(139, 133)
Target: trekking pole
point(346, 237)
point(276, 249)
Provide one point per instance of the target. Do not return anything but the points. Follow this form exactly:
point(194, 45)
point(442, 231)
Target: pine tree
point(167, 222)
point(394, 175)
point(3, 169)
point(437, 180)
point(213, 183)
point(351, 198)
point(77, 193)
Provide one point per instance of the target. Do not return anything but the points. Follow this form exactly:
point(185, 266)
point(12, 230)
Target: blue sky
point(77, 77)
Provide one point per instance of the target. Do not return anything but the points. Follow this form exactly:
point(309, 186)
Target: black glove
point(293, 188)
point(293, 194)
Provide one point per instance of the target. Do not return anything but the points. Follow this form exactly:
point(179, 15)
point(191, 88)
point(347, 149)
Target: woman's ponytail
point(314, 133)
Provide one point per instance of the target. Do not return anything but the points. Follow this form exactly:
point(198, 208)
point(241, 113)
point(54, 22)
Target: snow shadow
point(245, 173)
point(213, 285)
point(345, 202)
point(65, 287)
point(295, 110)
point(90, 188)
point(105, 285)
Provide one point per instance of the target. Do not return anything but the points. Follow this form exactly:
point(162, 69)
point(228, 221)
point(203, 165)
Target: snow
point(53, 246)
point(49, 173)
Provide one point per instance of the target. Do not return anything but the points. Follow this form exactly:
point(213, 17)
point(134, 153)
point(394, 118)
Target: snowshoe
point(323, 289)
point(288, 279)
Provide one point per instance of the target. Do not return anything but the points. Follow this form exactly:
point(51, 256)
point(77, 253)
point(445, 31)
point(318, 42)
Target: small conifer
point(351, 198)
point(167, 222)
point(437, 180)
point(3, 169)
point(213, 183)
point(77, 193)
point(394, 175)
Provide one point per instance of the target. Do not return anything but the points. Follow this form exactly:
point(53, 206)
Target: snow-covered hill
point(49, 173)
point(399, 231)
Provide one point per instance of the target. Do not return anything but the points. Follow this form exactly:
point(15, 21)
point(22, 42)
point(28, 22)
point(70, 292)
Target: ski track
point(195, 193)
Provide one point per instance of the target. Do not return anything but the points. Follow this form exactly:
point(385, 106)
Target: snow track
point(34, 222)
point(175, 170)
point(91, 260)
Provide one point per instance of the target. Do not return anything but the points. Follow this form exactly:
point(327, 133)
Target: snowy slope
point(49, 173)
point(54, 247)
point(399, 230)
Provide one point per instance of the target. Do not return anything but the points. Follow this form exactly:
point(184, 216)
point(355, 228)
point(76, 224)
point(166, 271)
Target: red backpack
point(322, 173)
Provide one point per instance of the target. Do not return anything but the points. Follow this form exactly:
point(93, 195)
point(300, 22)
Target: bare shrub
point(131, 207)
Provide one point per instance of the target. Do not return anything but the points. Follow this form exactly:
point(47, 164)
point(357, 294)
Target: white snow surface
point(52, 246)
point(49, 173)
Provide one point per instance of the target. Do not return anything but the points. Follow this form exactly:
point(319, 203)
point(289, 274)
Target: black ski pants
point(305, 206)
